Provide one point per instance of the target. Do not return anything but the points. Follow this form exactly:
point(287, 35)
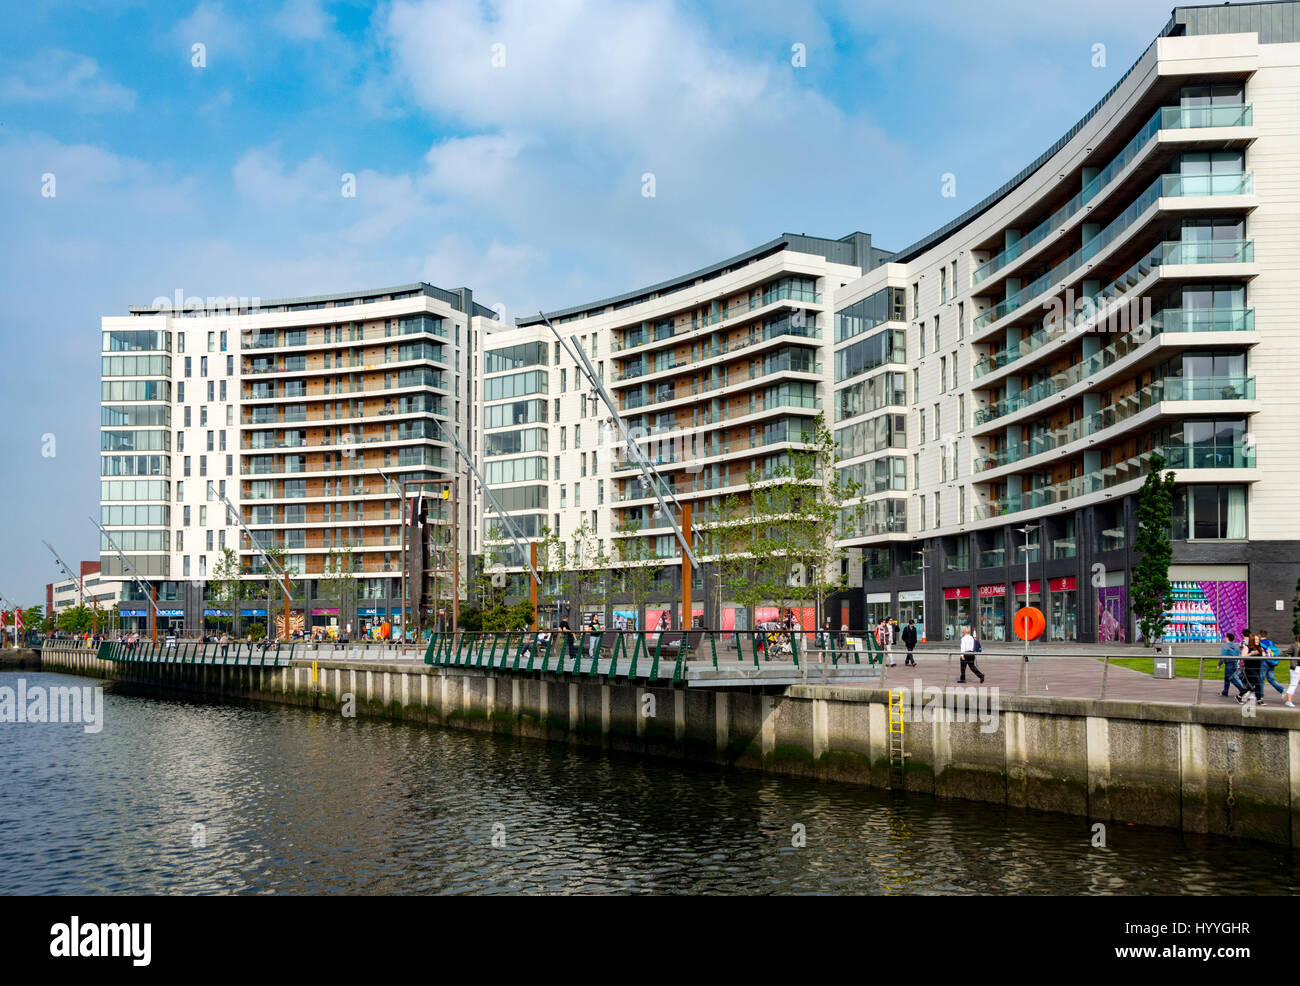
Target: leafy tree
point(640, 571)
point(1151, 588)
point(787, 548)
point(471, 618)
point(226, 587)
point(75, 619)
point(339, 582)
point(1295, 611)
point(34, 619)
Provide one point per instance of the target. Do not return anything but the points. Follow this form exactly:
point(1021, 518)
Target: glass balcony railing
point(1166, 186)
point(1167, 389)
point(1208, 252)
point(1167, 118)
point(1176, 457)
point(784, 292)
point(1237, 456)
point(1236, 183)
point(1203, 320)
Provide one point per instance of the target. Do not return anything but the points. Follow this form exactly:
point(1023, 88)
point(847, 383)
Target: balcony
point(1167, 118)
point(638, 337)
point(1163, 187)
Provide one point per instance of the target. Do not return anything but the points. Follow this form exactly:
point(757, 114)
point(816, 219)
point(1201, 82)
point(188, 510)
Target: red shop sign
point(1033, 588)
point(1065, 584)
point(993, 590)
point(959, 593)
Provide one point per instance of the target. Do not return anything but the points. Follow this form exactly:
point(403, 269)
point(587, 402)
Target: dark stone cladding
point(1273, 569)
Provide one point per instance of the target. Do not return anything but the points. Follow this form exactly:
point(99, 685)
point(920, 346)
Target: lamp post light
point(1026, 531)
point(404, 528)
point(921, 553)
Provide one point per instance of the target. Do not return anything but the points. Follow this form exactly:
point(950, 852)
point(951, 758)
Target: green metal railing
point(236, 653)
point(636, 654)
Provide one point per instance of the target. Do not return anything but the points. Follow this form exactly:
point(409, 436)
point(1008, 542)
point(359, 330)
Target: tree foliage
point(1151, 588)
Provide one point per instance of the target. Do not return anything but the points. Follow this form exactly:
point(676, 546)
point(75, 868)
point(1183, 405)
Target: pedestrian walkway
point(1059, 675)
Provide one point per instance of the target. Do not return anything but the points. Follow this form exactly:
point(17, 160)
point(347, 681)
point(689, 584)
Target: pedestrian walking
point(1294, 654)
point(1269, 663)
point(969, 647)
point(1230, 661)
point(909, 641)
point(594, 646)
point(1251, 658)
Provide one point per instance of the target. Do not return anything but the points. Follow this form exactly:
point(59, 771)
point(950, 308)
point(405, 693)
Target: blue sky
point(521, 180)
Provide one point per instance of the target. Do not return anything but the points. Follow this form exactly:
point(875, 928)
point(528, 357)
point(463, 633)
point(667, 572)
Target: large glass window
point(886, 305)
point(515, 385)
point(1209, 513)
point(889, 346)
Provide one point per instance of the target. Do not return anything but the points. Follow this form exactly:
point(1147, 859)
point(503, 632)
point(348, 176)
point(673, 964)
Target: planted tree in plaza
point(340, 582)
point(1295, 612)
point(734, 543)
point(588, 565)
point(1151, 589)
point(75, 619)
point(639, 570)
point(798, 508)
point(227, 588)
point(275, 594)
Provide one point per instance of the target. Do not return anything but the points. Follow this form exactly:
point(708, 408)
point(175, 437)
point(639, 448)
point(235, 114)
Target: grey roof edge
point(785, 241)
point(452, 297)
point(1175, 21)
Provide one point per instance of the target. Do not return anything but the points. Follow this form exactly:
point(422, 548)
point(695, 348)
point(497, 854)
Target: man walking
point(909, 640)
point(968, 656)
point(1230, 660)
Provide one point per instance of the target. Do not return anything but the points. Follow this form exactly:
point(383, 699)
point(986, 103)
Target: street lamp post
point(924, 565)
point(1026, 531)
point(404, 528)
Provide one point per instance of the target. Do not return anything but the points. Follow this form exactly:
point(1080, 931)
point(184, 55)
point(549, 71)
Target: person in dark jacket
point(909, 639)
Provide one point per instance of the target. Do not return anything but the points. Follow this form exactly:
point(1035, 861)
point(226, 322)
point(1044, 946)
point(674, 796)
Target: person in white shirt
point(968, 656)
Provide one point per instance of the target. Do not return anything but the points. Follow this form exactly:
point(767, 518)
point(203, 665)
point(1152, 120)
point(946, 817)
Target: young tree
point(339, 582)
point(1151, 588)
point(1295, 612)
point(227, 588)
point(588, 568)
point(736, 543)
point(75, 619)
point(798, 510)
point(639, 570)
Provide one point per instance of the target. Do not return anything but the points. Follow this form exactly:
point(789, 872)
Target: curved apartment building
point(996, 389)
point(1133, 291)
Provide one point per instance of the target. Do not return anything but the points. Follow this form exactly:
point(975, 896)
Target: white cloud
point(57, 76)
point(225, 35)
point(303, 20)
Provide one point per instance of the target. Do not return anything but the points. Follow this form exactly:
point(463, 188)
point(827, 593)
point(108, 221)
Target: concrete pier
point(1198, 769)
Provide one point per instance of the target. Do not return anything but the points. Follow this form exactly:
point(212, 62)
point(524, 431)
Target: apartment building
point(88, 590)
point(716, 374)
point(996, 389)
point(1131, 292)
point(308, 415)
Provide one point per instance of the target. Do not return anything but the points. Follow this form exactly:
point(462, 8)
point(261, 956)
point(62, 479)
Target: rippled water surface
point(295, 802)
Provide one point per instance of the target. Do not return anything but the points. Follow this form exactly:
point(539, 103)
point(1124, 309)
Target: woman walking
point(1294, 654)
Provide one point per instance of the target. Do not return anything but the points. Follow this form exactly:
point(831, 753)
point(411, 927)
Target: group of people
point(1250, 662)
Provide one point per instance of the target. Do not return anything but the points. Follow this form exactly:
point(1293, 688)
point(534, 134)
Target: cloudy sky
point(499, 146)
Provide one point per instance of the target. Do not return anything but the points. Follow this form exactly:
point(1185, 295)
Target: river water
point(186, 797)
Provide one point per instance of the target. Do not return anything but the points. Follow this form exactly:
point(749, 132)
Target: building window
point(188, 360)
point(943, 374)
point(1209, 513)
point(203, 366)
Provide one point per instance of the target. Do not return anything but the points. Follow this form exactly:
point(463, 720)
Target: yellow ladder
point(897, 756)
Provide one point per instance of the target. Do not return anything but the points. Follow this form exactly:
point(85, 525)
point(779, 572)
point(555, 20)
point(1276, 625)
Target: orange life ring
point(1029, 623)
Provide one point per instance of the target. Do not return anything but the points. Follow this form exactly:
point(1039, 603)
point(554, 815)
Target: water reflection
point(294, 802)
